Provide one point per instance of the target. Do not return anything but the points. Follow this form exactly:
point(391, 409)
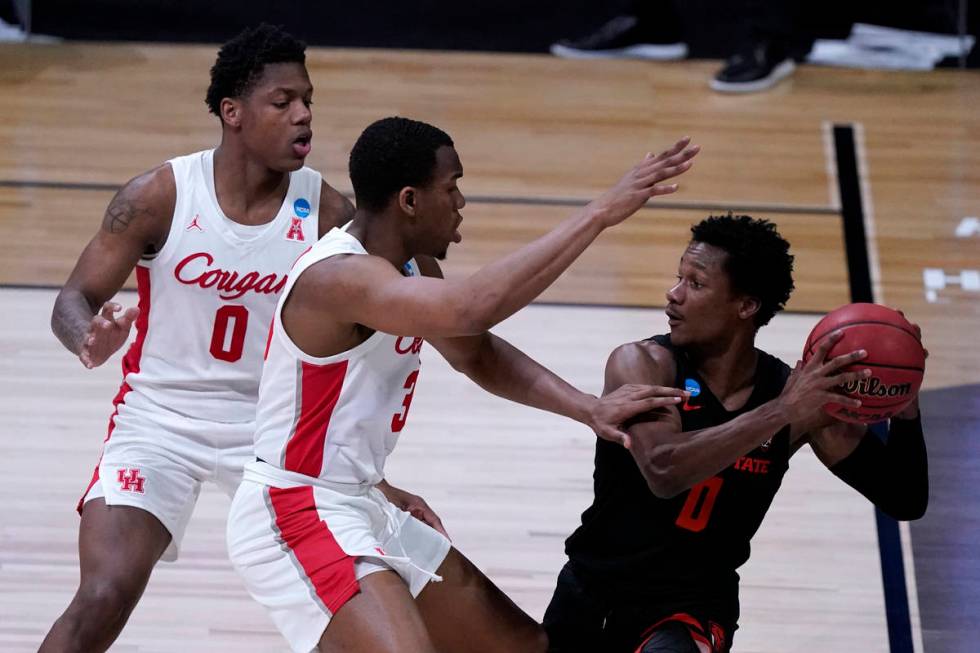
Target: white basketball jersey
point(334, 418)
point(207, 298)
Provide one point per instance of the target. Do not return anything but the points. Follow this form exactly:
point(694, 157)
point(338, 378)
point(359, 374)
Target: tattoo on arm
point(122, 212)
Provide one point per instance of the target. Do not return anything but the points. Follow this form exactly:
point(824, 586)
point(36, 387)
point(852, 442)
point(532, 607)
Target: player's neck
point(380, 236)
point(247, 191)
point(727, 367)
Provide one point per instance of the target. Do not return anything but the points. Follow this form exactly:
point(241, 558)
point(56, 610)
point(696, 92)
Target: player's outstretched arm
point(136, 221)
point(367, 290)
point(672, 461)
point(501, 369)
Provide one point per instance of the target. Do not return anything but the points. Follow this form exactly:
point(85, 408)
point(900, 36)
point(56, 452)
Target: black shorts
point(588, 615)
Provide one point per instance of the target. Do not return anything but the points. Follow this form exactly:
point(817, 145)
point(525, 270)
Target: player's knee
point(107, 600)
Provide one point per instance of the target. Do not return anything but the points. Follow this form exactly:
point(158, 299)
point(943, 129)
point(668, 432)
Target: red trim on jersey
point(319, 391)
point(268, 341)
point(130, 364)
point(328, 567)
point(694, 627)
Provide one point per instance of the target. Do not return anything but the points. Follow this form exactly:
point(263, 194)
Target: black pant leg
point(575, 616)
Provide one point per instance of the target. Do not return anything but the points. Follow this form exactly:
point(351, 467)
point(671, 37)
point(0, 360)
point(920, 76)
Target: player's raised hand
point(106, 334)
point(609, 413)
point(643, 181)
point(812, 384)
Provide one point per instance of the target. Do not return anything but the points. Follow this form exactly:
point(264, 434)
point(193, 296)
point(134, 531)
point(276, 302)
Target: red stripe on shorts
point(130, 364)
point(319, 393)
point(329, 569)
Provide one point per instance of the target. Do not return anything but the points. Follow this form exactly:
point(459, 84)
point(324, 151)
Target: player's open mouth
point(301, 146)
point(672, 317)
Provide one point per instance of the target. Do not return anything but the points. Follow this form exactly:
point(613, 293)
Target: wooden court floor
point(537, 137)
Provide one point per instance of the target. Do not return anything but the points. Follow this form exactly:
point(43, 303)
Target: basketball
point(895, 357)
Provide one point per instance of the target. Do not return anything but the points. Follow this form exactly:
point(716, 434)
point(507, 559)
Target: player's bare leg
point(118, 547)
point(467, 613)
point(381, 618)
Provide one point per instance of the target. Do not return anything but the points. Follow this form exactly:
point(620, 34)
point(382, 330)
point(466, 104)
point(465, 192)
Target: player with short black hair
point(337, 566)
point(242, 60)
point(652, 568)
point(211, 236)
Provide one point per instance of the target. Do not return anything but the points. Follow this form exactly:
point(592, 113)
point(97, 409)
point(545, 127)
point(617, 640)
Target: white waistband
point(262, 472)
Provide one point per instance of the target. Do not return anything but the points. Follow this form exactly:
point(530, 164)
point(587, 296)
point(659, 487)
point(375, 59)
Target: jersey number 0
point(700, 501)
point(223, 347)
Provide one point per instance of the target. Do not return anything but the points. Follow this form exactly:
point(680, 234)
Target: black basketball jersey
point(683, 551)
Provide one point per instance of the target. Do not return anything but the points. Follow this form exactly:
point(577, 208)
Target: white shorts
point(301, 549)
point(157, 461)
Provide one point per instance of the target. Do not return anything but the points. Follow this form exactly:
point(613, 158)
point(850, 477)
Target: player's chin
point(292, 163)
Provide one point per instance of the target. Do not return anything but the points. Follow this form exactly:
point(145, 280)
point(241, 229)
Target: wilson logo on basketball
point(196, 270)
point(874, 388)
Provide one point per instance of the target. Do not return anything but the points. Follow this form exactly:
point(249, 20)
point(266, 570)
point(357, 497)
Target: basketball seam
point(855, 323)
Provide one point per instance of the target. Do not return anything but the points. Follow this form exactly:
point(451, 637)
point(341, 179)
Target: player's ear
point(231, 112)
point(406, 200)
point(748, 307)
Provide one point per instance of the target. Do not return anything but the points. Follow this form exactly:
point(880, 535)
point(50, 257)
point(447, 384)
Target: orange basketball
point(895, 357)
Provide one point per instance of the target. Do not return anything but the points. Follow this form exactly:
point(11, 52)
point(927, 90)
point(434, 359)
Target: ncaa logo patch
point(692, 386)
point(301, 208)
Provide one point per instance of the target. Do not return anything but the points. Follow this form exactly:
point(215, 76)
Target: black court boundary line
point(862, 290)
point(570, 202)
point(569, 304)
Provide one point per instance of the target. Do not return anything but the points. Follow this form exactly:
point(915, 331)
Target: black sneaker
point(754, 69)
point(621, 38)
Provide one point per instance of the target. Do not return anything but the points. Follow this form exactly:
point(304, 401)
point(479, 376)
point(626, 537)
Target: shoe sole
point(779, 73)
point(667, 52)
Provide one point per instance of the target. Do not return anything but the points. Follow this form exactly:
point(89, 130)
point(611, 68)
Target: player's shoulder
point(147, 201)
point(157, 187)
point(642, 361)
point(773, 367)
point(335, 209)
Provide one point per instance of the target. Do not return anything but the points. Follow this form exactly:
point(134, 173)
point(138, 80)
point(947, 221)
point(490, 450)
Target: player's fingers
point(820, 354)
point(655, 175)
point(432, 519)
point(663, 190)
point(844, 360)
point(672, 150)
point(844, 400)
point(849, 377)
point(652, 403)
point(646, 391)
point(108, 309)
point(616, 435)
point(125, 321)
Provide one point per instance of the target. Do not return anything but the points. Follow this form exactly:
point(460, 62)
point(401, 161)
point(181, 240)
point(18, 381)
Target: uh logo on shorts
point(130, 480)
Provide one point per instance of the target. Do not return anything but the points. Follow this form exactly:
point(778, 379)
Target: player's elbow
point(662, 475)
point(475, 315)
point(910, 509)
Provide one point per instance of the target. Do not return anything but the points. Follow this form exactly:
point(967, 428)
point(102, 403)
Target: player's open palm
point(813, 384)
point(106, 334)
point(644, 181)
